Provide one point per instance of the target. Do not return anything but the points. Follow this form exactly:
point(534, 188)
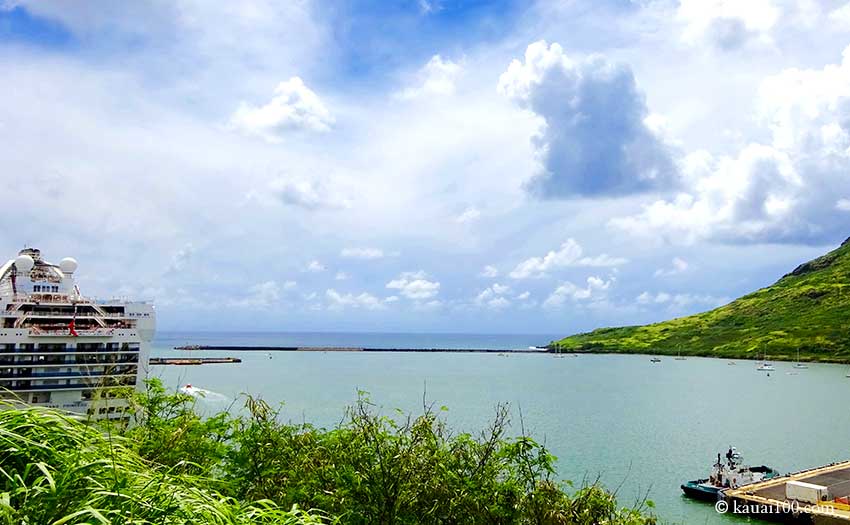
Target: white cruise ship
point(63, 350)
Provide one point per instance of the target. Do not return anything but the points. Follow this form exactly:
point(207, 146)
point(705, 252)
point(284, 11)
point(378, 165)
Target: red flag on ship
point(71, 329)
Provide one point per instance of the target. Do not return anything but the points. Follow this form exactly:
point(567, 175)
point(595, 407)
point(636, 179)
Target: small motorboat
point(655, 360)
point(724, 475)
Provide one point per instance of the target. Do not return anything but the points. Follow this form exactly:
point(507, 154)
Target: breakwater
point(192, 360)
point(537, 350)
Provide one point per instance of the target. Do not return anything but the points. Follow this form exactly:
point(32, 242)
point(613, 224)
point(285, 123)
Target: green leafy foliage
point(805, 311)
point(375, 469)
point(172, 466)
point(169, 431)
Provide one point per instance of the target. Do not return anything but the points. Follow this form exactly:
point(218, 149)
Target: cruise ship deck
point(61, 349)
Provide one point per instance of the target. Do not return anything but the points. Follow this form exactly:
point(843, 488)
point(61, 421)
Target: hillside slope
point(807, 309)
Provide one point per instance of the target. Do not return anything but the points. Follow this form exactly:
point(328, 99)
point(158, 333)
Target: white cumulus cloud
point(339, 301)
point(569, 254)
point(437, 77)
point(494, 297)
point(490, 272)
point(259, 295)
point(678, 265)
point(678, 301)
point(841, 15)
point(415, 285)
point(469, 215)
point(306, 193)
point(783, 191)
point(293, 107)
point(315, 266)
point(569, 291)
point(727, 24)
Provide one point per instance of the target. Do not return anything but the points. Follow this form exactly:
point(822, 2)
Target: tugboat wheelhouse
point(61, 349)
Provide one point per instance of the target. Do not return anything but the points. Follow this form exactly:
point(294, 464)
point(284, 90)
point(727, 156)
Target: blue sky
point(543, 166)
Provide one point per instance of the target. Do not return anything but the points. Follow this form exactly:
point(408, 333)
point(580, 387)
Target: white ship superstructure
point(63, 350)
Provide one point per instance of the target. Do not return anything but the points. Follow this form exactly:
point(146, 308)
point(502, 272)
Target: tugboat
point(731, 474)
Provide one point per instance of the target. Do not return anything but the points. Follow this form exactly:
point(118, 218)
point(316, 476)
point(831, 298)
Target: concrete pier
point(767, 500)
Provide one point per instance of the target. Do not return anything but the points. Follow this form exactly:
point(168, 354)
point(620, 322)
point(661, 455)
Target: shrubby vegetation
point(57, 469)
point(805, 311)
point(174, 466)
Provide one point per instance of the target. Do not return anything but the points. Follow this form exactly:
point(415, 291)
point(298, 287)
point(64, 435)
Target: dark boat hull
point(695, 489)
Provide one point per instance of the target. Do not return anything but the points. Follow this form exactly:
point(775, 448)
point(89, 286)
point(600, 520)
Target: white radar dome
point(68, 265)
point(24, 263)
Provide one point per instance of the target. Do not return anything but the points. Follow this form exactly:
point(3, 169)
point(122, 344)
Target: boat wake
point(201, 393)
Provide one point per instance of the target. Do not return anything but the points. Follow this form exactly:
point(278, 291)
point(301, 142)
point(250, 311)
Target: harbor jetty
point(192, 360)
point(533, 350)
point(819, 496)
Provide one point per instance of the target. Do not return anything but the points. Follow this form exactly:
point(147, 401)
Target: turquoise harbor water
point(641, 426)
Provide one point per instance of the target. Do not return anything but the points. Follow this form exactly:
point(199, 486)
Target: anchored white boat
point(61, 349)
point(799, 364)
point(765, 366)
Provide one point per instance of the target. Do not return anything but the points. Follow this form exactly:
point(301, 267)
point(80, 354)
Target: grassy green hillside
point(808, 309)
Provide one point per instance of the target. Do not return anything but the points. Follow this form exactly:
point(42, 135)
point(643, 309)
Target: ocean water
point(636, 425)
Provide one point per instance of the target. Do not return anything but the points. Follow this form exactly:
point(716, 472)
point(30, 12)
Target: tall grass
point(56, 469)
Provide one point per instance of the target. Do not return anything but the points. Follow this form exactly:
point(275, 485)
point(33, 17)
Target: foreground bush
point(175, 467)
point(56, 469)
point(373, 469)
